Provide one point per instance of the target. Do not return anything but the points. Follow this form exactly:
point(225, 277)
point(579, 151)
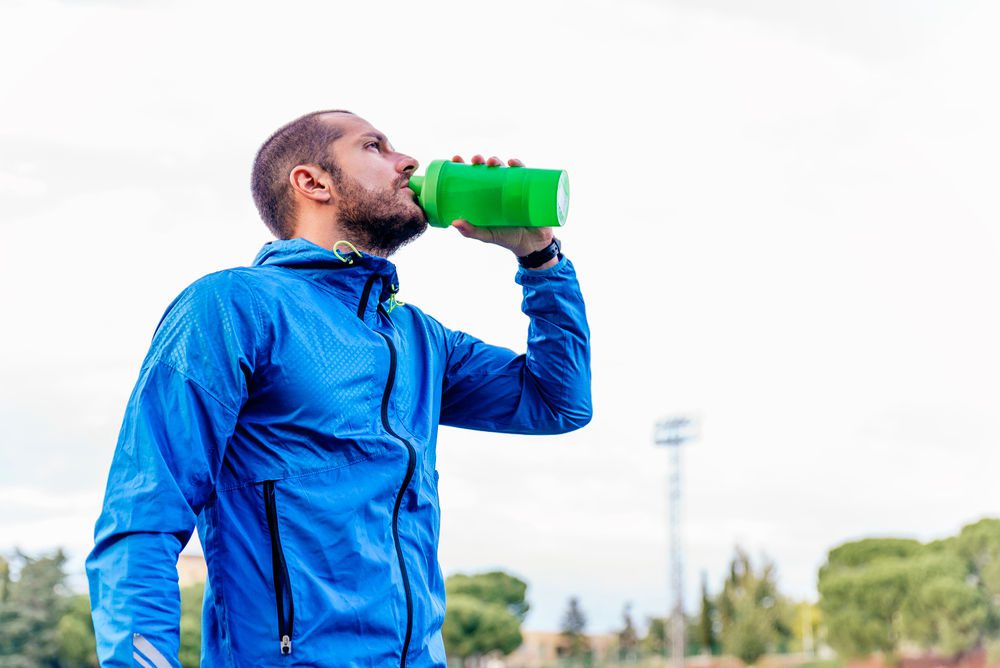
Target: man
point(291, 408)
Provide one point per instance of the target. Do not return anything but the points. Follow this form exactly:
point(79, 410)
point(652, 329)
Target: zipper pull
point(286, 645)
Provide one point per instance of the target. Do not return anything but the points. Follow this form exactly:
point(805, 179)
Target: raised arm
point(544, 391)
point(177, 424)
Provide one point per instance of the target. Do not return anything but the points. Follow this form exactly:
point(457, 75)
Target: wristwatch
point(540, 257)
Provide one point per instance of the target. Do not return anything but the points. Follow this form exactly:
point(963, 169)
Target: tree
point(656, 641)
point(945, 613)
point(806, 626)
point(494, 587)
point(4, 580)
point(75, 630)
point(574, 622)
point(979, 545)
point(30, 610)
point(192, 598)
point(484, 614)
point(473, 628)
point(891, 590)
point(867, 551)
point(705, 634)
point(861, 601)
point(628, 639)
point(749, 632)
point(754, 616)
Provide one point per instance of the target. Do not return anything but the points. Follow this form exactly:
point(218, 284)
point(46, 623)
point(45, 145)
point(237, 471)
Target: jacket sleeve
point(546, 390)
point(177, 423)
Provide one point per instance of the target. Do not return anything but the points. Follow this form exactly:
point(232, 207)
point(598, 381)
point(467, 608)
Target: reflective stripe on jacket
point(288, 414)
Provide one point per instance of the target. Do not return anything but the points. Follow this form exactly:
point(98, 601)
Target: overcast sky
point(784, 216)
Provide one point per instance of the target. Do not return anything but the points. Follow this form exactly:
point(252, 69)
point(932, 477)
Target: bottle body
point(492, 196)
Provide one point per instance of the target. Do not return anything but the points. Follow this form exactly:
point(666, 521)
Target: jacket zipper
point(282, 583)
point(410, 466)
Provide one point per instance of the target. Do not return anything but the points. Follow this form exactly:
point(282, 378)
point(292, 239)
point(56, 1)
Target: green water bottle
point(492, 196)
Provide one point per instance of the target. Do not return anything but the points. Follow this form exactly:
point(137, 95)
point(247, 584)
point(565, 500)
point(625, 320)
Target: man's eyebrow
point(376, 135)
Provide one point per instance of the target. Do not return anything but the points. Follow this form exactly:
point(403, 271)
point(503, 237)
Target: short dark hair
point(305, 140)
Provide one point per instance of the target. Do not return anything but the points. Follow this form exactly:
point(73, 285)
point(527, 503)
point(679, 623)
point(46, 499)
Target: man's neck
point(328, 236)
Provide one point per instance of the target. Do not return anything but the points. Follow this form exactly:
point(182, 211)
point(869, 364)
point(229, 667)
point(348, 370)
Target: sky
point(783, 216)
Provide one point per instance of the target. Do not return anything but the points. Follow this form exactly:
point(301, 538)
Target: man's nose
point(407, 165)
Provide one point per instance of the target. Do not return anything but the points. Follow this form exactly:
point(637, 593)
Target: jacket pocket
point(282, 583)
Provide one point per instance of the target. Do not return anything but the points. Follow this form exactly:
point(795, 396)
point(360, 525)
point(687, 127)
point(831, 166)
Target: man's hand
point(519, 240)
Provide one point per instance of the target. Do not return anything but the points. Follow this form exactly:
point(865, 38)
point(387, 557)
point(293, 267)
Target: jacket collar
point(353, 278)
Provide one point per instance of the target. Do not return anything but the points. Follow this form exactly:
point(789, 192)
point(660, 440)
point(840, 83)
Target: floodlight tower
point(674, 432)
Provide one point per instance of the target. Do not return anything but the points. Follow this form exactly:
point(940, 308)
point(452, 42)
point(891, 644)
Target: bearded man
point(290, 411)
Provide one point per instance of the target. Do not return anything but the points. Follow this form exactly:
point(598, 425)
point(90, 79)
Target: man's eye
point(371, 143)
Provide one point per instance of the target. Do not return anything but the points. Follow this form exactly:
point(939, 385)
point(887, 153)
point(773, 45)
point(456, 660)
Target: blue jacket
point(291, 410)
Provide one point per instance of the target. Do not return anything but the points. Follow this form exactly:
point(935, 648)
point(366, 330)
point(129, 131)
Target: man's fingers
point(493, 161)
point(469, 231)
point(462, 226)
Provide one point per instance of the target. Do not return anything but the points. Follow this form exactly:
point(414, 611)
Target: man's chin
point(415, 206)
point(409, 230)
point(415, 231)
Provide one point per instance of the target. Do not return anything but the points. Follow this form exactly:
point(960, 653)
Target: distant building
point(191, 570)
point(545, 648)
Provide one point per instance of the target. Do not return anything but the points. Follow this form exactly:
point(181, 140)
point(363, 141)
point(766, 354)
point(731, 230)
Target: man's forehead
point(351, 125)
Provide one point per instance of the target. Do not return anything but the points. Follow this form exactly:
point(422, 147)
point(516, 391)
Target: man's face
point(370, 179)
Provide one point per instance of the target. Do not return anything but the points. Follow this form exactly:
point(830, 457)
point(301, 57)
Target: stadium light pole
point(673, 432)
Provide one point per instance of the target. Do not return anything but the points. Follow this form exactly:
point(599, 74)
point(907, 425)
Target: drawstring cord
point(348, 259)
point(393, 300)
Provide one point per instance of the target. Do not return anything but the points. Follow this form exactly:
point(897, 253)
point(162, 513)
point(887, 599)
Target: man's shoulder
point(236, 282)
point(227, 291)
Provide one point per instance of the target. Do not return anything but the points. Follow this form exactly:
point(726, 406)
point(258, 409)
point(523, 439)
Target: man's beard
point(381, 221)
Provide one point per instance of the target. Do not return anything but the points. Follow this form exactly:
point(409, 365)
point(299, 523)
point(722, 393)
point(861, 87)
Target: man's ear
point(308, 181)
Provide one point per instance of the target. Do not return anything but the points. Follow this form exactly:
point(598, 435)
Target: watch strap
point(540, 257)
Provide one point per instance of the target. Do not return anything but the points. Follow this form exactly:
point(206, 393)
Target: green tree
point(705, 634)
point(573, 625)
point(754, 616)
point(946, 613)
point(655, 641)
point(979, 545)
point(806, 624)
point(190, 625)
point(32, 605)
point(5, 583)
point(473, 628)
point(484, 614)
point(75, 630)
point(861, 603)
point(891, 590)
point(870, 550)
point(494, 587)
point(628, 639)
point(749, 632)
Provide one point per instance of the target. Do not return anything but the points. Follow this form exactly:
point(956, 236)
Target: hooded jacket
point(290, 409)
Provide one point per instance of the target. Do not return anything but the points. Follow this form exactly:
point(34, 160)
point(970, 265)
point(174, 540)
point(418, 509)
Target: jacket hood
point(349, 274)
